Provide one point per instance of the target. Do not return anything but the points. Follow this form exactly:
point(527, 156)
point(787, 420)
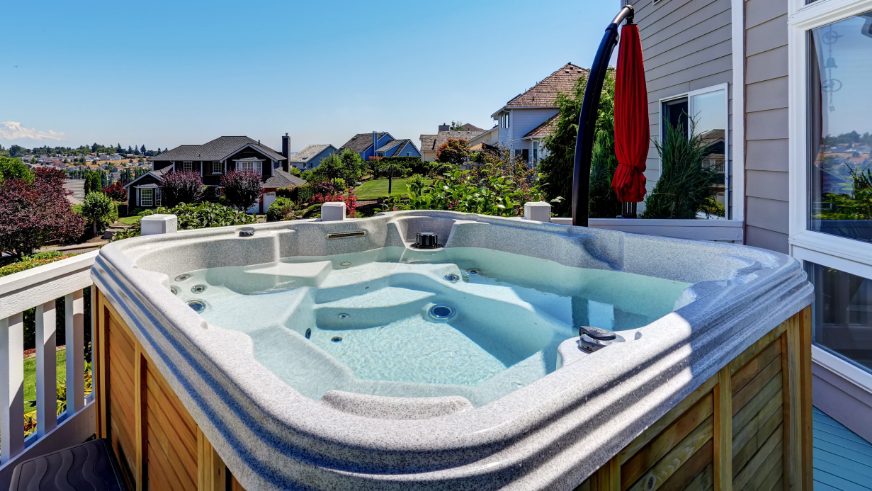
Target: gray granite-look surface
point(551, 434)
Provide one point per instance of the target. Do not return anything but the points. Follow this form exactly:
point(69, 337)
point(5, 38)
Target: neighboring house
point(778, 88)
point(489, 139)
point(430, 143)
point(398, 148)
point(213, 160)
point(367, 144)
point(523, 121)
point(311, 156)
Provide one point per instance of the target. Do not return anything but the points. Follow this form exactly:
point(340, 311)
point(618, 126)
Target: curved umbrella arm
point(588, 115)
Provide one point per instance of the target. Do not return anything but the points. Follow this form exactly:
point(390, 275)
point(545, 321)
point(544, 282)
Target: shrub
point(454, 150)
point(241, 189)
point(349, 199)
point(93, 181)
point(685, 184)
point(14, 168)
point(194, 216)
point(99, 210)
point(281, 209)
point(491, 193)
point(116, 191)
point(32, 261)
point(182, 187)
point(33, 215)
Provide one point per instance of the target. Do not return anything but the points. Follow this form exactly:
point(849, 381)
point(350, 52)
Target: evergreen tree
point(142, 149)
point(555, 171)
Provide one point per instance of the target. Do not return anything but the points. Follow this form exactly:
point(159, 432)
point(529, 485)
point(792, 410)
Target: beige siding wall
point(766, 120)
point(687, 46)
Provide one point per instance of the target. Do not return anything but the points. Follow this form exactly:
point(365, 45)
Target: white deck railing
point(40, 288)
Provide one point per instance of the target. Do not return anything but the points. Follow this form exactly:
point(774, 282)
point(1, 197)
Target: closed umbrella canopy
point(631, 118)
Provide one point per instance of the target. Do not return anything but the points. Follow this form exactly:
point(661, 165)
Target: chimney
point(444, 127)
point(286, 151)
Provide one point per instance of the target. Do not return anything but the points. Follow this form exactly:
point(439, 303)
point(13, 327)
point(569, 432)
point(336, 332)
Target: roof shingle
point(361, 141)
point(217, 149)
point(544, 93)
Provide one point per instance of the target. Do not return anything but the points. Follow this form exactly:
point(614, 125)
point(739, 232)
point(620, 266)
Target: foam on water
point(362, 322)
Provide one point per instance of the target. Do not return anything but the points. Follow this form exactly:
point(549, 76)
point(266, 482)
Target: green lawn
point(30, 378)
point(378, 188)
point(130, 220)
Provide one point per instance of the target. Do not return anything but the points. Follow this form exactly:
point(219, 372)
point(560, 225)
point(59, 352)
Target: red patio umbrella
point(631, 119)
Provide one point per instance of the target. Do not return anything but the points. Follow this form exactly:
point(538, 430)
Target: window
point(704, 113)
point(217, 168)
point(843, 313)
point(831, 175)
point(187, 166)
point(504, 120)
point(249, 166)
point(840, 129)
point(146, 196)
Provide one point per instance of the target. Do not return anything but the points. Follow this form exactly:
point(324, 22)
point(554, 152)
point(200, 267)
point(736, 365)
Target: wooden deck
point(842, 460)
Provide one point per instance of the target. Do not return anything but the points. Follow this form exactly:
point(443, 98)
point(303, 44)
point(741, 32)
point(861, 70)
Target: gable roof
point(282, 179)
point(433, 142)
point(218, 149)
point(156, 174)
point(469, 127)
point(362, 141)
point(543, 129)
point(391, 144)
point(544, 93)
point(309, 153)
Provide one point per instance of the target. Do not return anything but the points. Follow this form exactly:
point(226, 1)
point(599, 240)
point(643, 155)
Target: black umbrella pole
point(588, 116)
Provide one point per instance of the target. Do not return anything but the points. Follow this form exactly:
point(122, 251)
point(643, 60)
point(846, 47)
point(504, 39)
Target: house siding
point(686, 45)
point(521, 122)
point(766, 124)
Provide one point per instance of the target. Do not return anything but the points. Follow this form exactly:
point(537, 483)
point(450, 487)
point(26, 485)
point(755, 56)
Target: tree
point(116, 191)
point(93, 181)
point(391, 167)
point(346, 165)
point(99, 210)
point(182, 187)
point(556, 169)
point(241, 189)
point(454, 150)
point(142, 149)
point(34, 214)
point(14, 168)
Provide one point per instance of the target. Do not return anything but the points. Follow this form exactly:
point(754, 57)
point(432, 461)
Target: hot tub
point(336, 354)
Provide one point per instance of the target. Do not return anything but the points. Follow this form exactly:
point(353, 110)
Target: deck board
point(842, 460)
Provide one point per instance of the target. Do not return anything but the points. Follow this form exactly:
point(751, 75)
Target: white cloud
point(13, 130)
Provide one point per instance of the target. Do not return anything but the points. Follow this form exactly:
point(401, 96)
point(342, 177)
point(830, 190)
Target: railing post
point(11, 386)
point(46, 368)
point(74, 329)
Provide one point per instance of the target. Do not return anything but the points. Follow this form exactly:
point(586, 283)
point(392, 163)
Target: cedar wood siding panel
point(766, 124)
point(686, 45)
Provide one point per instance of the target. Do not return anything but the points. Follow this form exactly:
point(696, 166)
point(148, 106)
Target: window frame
point(187, 166)
point(219, 165)
point(806, 245)
point(140, 191)
point(732, 197)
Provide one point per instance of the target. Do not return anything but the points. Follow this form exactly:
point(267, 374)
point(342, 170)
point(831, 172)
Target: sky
point(165, 73)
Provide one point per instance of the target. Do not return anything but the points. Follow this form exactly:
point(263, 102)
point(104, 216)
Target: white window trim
point(734, 199)
point(841, 253)
point(258, 168)
point(212, 168)
point(139, 195)
point(187, 163)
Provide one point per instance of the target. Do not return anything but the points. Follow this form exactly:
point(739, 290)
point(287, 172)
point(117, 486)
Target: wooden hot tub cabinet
point(747, 427)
